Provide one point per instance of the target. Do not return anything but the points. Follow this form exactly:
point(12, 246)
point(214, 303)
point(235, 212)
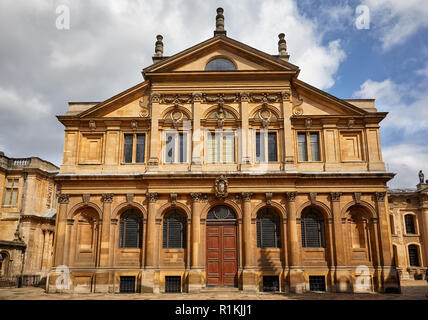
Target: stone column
point(245, 133)
point(68, 244)
point(288, 133)
point(151, 245)
point(154, 132)
point(45, 250)
point(50, 253)
point(389, 273)
point(102, 275)
point(341, 276)
point(196, 136)
point(297, 283)
point(195, 274)
point(62, 223)
point(249, 282)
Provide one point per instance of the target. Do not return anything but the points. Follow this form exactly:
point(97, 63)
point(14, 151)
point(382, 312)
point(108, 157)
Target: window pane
point(302, 148)
point(413, 256)
point(170, 147)
point(228, 148)
point(127, 155)
point(315, 146)
point(268, 231)
point(260, 147)
point(14, 196)
point(272, 148)
point(410, 224)
point(174, 231)
point(9, 182)
point(219, 64)
point(7, 197)
point(212, 148)
point(141, 148)
point(182, 151)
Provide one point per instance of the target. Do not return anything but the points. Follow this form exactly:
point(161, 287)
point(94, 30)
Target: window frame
point(165, 228)
point(221, 133)
point(13, 178)
point(134, 147)
point(277, 233)
point(308, 146)
point(418, 256)
point(321, 230)
point(266, 145)
point(222, 58)
point(122, 236)
point(176, 146)
point(415, 229)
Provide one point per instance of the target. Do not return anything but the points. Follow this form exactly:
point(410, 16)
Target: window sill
point(411, 235)
point(133, 163)
point(129, 250)
point(175, 250)
point(313, 249)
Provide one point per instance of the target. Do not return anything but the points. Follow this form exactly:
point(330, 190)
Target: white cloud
point(396, 21)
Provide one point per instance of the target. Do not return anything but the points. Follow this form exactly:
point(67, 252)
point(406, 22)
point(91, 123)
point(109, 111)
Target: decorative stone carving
point(219, 23)
point(421, 176)
point(64, 198)
point(129, 197)
point(335, 196)
point(265, 98)
point(308, 123)
point(144, 111)
point(173, 197)
point(159, 46)
point(351, 122)
point(152, 196)
point(197, 96)
point(220, 98)
point(265, 115)
point(85, 198)
point(312, 197)
point(155, 97)
point(357, 197)
point(92, 125)
point(107, 197)
point(245, 97)
point(134, 125)
point(269, 198)
point(196, 196)
point(176, 117)
point(285, 96)
point(176, 100)
point(380, 196)
point(237, 198)
point(297, 101)
point(297, 111)
point(221, 116)
point(291, 196)
point(282, 47)
point(220, 187)
point(246, 196)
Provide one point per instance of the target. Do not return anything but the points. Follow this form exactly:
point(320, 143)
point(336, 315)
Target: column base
point(391, 283)
point(150, 281)
point(297, 281)
point(342, 281)
point(249, 281)
point(101, 282)
point(194, 283)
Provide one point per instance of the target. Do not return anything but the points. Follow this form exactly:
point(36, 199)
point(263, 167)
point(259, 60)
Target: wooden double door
point(222, 261)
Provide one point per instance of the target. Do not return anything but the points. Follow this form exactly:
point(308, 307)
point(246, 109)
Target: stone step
point(220, 290)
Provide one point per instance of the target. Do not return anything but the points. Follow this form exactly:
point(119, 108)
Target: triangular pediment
point(243, 56)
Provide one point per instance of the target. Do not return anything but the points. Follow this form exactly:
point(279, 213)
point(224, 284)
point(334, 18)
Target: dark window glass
point(413, 255)
point(316, 283)
point(174, 230)
point(130, 230)
point(127, 284)
point(268, 229)
point(141, 148)
point(260, 150)
point(182, 152)
point(220, 64)
point(270, 283)
point(221, 213)
point(170, 147)
point(127, 155)
point(312, 227)
point(302, 147)
point(172, 284)
point(315, 146)
point(272, 148)
point(410, 224)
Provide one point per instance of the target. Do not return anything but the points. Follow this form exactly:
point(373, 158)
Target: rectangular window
point(134, 148)
point(266, 147)
point(221, 147)
point(173, 284)
point(308, 146)
point(127, 284)
point(270, 283)
point(316, 283)
point(176, 147)
point(11, 196)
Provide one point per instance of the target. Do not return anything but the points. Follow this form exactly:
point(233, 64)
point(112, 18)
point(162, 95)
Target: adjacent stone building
point(408, 213)
point(223, 169)
point(27, 218)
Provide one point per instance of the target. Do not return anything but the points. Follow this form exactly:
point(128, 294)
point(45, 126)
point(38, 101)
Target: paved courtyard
point(411, 290)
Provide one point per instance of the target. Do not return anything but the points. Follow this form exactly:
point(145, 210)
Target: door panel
point(222, 265)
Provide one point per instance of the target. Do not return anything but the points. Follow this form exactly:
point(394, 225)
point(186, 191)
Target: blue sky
point(109, 42)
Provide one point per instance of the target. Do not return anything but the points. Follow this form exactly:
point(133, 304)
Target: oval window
point(220, 64)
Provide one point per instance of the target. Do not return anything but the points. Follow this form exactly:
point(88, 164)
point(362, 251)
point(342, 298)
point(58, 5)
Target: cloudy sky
point(110, 41)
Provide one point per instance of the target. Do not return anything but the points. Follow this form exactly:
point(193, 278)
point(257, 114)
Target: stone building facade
point(223, 169)
point(27, 217)
point(408, 213)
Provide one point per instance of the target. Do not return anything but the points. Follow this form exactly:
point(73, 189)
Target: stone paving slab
point(414, 292)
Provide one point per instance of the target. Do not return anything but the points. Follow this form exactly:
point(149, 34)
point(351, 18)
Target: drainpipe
point(18, 228)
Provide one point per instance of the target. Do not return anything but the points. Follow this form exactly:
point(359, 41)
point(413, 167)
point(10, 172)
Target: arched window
point(131, 229)
point(220, 64)
point(413, 255)
point(4, 263)
point(221, 213)
point(410, 224)
point(312, 224)
point(268, 229)
point(174, 230)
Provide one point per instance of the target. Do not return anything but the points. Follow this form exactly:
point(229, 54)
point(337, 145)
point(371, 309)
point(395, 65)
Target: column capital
point(291, 196)
point(196, 196)
point(107, 197)
point(244, 96)
point(64, 198)
point(246, 196)
point(379, 196)
point(269, 197)
point(197, 96)
point(155, 97)
point(152, 196)
point(335, 196)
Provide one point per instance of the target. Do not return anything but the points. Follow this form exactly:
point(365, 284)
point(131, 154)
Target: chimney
point(219, 23)
point(282, 47)
point(158, 49)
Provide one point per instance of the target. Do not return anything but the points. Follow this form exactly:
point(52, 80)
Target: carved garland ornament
point(220, 187)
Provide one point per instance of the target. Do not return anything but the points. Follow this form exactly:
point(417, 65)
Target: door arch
point(221, 246)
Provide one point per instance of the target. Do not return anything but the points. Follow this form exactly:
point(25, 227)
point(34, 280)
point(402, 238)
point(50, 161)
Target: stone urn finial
point(282, 47)
point(159, 46)
point(219, 23)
